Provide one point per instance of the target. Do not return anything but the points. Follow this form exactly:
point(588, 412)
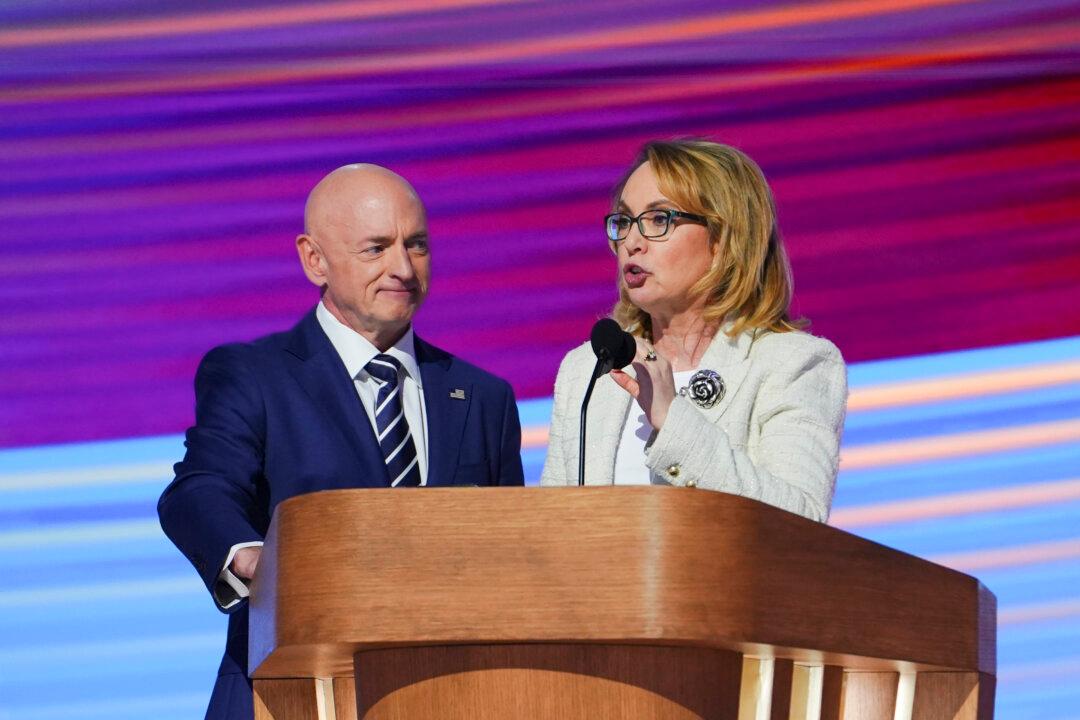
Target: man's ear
point(311, 259)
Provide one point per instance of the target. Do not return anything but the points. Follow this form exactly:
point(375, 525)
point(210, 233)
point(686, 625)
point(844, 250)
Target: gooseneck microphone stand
point(604, 365)
point(614, 348)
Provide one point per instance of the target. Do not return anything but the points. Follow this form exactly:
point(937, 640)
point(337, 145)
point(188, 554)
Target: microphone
point(615, 349)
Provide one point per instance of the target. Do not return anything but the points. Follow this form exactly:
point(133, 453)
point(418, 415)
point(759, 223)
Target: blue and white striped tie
point(392, 429)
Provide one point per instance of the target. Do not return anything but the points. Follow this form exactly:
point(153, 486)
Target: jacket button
point(673, 470)
point(691, 483)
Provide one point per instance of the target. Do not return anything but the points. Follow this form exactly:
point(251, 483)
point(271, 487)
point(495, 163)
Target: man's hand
point(245, 561)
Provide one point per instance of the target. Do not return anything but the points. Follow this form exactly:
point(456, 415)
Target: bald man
point(349, 398)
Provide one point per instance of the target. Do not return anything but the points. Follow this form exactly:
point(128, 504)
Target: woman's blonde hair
point(749, 282)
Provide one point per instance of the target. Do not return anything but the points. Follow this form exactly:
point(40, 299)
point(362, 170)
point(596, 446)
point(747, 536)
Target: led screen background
point(155, 158)
point(155, 161)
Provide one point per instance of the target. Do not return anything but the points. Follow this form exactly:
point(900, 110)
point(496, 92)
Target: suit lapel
point(320, 372)
point(729, 357)
point(445, 415)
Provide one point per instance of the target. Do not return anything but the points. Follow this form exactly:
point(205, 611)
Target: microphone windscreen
point(612, 342)
point(629, 351)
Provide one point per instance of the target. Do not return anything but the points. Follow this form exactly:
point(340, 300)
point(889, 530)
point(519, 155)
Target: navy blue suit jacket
point(280, 417)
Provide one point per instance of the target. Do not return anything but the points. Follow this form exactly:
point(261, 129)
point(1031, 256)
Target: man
point(347, 398)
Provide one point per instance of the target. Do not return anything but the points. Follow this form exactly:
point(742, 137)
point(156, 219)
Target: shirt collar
point(356, 351)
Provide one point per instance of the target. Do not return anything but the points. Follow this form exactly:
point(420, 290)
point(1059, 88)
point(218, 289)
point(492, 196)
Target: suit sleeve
point(213, 502)
point(510, 468)
point(799, 413)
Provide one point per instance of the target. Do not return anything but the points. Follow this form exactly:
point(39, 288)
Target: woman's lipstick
point(634, 276)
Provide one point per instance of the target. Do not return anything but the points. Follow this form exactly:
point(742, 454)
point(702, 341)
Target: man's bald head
point(337, 193)
point(365, 245)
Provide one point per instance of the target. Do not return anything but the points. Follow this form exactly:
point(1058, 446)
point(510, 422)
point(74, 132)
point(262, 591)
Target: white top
point(355, 351)
point(630, 467)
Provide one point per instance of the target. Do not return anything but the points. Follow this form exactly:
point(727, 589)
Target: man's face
point(376, 265)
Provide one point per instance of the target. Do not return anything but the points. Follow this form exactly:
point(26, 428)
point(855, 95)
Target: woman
point(725, 393)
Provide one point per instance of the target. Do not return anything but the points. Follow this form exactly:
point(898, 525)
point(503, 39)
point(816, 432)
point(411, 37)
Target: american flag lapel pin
point(457, 394)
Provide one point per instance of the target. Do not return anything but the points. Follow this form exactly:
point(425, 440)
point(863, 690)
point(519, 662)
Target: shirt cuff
point(231, 589)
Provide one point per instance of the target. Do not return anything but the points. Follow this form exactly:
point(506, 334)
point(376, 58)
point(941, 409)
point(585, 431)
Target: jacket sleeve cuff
point(230, 589)
point(674, 442)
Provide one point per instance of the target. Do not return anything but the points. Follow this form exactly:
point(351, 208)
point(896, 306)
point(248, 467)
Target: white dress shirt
point(355, 352)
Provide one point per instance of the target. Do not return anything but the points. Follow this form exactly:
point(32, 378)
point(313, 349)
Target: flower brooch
point(705, 389)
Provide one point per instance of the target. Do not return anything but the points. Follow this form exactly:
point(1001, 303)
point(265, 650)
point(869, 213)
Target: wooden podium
point(603, 602)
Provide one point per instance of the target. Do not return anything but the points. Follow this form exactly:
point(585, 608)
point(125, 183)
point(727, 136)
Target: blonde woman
point(726, 392)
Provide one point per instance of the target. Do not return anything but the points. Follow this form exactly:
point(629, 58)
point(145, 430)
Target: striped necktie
point(392, 429)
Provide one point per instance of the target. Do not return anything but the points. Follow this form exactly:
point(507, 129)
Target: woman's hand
point(654, 388)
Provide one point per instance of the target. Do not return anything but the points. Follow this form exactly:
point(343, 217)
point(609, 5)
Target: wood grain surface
point(602, 602)
point(868, 696)
point(832, 692)
point(780, 708)
point(344, 571)
point(548, 681)
point(288, 699)
point(953, 696)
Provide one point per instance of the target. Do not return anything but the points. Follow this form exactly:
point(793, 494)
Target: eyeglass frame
point(671, 216)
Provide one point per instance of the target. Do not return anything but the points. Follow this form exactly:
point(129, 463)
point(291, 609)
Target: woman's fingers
point(656, 389)
point(642, 349)
point(626, 382)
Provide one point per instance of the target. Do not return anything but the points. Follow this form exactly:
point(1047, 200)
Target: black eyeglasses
point(652, 224)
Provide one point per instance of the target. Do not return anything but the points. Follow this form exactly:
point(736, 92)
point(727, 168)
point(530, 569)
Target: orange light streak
point(518, 50)
point(940, 447)
point(224, 21)
point(534, 437)
point(994, 382)
point(1011, 556)
point(1042, 611)
point(953, 504)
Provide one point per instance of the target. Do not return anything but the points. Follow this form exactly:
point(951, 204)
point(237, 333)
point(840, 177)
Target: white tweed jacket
point(773, 437)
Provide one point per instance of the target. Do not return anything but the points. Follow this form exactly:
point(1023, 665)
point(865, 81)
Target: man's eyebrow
point(388, 240)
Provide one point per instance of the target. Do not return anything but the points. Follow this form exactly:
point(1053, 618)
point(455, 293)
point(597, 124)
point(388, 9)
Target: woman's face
point(659, 273)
